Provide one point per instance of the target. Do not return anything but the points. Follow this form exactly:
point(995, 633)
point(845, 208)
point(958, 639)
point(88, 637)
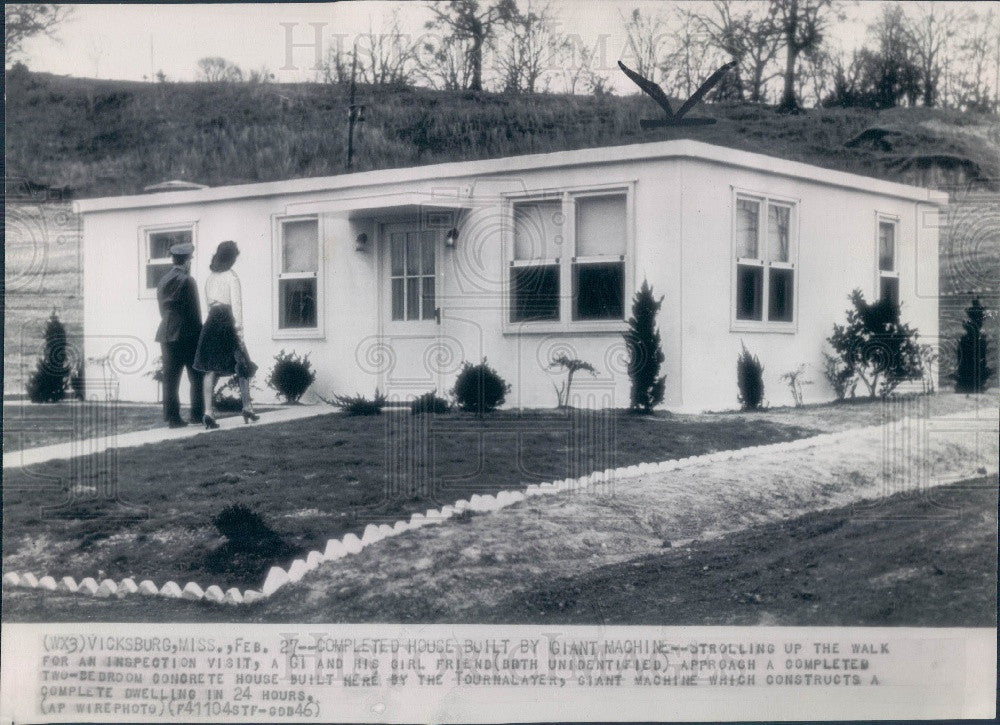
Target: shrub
point(839, 377)
point(360, 405)
point(571, 366)
point(972, 372)
point(226, 398)
point(251, 545)
point(429, 403)
point(645, 354)
point(750, 378)
point(47, 384)
point(77, 383)
point(874, 347)
point(291, 375)
point(795, 383)
point(479, 388)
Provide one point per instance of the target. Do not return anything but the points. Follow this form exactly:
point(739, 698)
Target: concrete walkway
point(89, 446)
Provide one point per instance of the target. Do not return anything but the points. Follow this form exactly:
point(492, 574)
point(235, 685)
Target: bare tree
point(646, 38)
point(750, 34)
point(219, 70)
point(528, 49)
point(475, 25)
point(688, 55)
point(802, 24)
point(929, 33)
point(25, 20)
point(581, 66)
point(443, 63)
point(976, 62)
point(387, 58)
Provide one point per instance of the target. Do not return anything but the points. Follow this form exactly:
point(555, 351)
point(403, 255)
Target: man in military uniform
point(180, 326)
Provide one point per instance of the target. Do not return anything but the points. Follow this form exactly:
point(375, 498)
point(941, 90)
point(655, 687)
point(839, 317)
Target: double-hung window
point(298, 274)
point(888, 275)
point(765, 260)
point(155, 253)
point(569, 258)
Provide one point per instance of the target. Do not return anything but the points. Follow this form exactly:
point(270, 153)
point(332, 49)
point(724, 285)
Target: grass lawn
point(815, 570)
point(319, 478)
point(323, 477)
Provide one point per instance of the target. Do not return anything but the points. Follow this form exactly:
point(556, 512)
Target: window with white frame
point(156, 249)
point(576, 242)
point(411, 274)
point(888, 275)
point(298, 274)
point(765, 260)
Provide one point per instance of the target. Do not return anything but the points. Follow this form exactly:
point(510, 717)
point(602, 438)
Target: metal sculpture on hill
point(656, 93)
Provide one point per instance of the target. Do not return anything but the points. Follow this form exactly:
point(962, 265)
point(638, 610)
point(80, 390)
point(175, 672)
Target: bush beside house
point(645, 355)
point(972, 372)
point(47, 384)
point(291, 375)
point(750, 378)
point(479, 388)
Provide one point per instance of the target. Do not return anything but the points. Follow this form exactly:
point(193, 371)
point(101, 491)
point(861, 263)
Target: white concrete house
point(392, 278)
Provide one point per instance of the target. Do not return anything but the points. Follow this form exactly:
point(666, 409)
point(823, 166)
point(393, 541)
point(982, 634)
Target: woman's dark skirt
point(219, 348)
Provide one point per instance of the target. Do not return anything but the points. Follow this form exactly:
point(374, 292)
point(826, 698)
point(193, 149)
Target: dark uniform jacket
point(180, 312)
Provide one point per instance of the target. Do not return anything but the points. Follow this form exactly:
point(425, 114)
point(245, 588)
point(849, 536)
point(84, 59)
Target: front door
point(410, 317)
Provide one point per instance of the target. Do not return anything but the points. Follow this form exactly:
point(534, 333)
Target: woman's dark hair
point(224, 257)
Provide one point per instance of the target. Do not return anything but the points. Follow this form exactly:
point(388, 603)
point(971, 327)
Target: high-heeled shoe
point(210, 423)
point(249, 415)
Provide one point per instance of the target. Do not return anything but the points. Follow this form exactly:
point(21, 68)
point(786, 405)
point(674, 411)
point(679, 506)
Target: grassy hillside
point(115, 137)
point(111, 137)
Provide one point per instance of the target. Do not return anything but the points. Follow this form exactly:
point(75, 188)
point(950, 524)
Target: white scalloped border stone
point(350, 544)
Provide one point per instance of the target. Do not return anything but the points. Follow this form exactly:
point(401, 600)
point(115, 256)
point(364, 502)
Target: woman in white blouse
point(220, 348)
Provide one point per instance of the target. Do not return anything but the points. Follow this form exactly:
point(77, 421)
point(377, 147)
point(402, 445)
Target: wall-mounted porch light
point(451, 237)
point(361, 242)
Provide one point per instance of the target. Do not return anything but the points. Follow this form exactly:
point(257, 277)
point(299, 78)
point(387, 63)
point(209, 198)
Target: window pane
point(538, 230)
point(780, 295)
point(396, 253)
point(155, 272)
point(298, 303)
point(747, 226)
point(889, 287)
point(534, 293)
point(599, 291)
point(300, 246)
point(427, 251)
point(161, 242)
point(778, 229)
point(397, 299)
point(600, 226)
point(428, 298)
point(749, 286)
point(412, 253)
point(412, 298)
point(886, 246)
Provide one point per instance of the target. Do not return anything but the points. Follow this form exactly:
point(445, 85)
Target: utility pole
point(355, 113)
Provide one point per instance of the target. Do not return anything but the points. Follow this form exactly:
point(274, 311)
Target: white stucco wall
point(682, 238)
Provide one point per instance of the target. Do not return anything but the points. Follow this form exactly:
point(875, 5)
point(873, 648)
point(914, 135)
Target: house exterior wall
point(681, 236)
point(837, 252)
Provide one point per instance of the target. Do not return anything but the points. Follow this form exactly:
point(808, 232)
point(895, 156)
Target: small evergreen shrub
point(645, 353)
point(47, 384)
point(479, 388)
point(972, 372)
point(429, 403)
point(750, 378)
point(360, 405)
point(291, 375)
point(874, 347)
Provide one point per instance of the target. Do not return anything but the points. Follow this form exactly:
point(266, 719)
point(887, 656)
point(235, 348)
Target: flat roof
point(674, 149)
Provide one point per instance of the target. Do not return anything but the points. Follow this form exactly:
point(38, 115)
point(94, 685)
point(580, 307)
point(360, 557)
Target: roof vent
point(175, 185)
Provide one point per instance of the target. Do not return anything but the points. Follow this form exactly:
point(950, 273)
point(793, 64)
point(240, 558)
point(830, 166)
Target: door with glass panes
point(410, 317)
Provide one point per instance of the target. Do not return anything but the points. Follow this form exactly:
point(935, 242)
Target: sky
point(133, 42)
